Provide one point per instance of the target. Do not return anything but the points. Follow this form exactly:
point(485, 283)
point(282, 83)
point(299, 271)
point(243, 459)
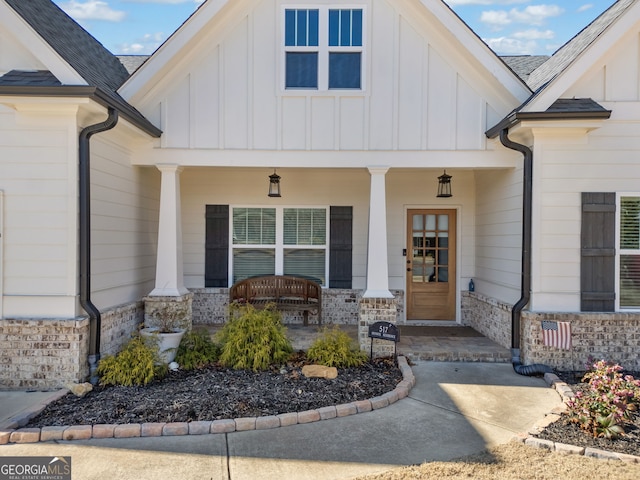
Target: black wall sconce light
point(444, 185)
point(274, 184)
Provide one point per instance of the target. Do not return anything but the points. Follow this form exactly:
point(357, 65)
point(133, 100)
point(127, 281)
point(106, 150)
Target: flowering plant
point(608, 403)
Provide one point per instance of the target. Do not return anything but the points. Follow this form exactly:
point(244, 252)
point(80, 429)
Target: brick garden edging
point(14, 431)
point(566, 394)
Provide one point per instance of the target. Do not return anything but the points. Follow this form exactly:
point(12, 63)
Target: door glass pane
point(418, 222)
point(443, 222)
point(443, 275)
point(630, 222)
point(443, 240)
point(418, 241)
point(431, 222)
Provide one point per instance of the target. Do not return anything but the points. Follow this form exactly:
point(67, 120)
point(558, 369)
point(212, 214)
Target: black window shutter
point(341, 228)
point(216, 257)
point(597, 261)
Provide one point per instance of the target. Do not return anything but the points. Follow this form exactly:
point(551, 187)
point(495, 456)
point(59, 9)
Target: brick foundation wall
point(614, 337)
point(50, 353)
point(488, 316)
point(339, 306)
point(43, 353)
point(118, 324)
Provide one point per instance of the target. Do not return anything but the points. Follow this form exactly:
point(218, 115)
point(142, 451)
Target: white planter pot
point(167, 342)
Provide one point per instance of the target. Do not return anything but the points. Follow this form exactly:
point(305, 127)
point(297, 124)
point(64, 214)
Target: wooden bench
point(288, 293)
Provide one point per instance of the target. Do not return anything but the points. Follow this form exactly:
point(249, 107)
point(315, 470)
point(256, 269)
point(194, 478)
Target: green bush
point(253, 339)
point(335, 348)
point(136, 364)
point(197, 350)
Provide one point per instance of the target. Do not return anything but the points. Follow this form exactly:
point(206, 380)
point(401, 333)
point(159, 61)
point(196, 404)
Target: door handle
point(408, 269)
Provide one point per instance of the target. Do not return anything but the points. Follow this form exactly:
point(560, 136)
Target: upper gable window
point(323, 48)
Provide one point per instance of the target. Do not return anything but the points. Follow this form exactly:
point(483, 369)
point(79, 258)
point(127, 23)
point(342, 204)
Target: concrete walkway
point(455, 409)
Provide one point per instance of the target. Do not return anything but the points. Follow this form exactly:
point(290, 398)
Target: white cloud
point(496, 18)
point(171, 2)
point(92, 10)
point(455, 3)
point(142, 46)
point(511, 46)
point(535, 34)
point(531, 15)
point(585, 7)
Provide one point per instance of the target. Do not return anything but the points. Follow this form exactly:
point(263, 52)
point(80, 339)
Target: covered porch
point(453, 343)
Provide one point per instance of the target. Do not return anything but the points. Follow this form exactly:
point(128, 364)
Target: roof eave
point(94, 93)
point(516, 117)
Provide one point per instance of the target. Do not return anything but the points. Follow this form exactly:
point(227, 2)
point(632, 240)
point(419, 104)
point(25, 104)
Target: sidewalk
point(455, 409)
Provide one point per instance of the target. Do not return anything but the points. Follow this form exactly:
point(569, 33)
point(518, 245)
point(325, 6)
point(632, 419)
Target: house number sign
point(384, 331)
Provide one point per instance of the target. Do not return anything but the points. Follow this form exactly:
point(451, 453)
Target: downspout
point(84, 209)
point(525, 288)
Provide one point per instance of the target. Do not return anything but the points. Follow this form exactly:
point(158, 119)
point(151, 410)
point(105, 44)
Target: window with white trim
point(280, 241)
point(629, 252)
point(323, 48)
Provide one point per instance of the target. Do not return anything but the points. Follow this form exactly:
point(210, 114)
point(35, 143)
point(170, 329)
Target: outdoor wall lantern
point(444, 185)
point(274, 184)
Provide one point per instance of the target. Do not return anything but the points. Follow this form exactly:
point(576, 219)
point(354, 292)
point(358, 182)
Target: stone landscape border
point(566, 394)
point(14, 430)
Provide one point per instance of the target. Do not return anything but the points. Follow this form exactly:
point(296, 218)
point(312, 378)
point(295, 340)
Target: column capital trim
point(378, 169)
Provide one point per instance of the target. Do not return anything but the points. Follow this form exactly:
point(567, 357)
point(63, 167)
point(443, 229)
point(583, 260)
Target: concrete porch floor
point(415, 348)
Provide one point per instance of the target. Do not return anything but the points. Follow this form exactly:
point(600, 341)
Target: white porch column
point(377, 261)
point(169, 268)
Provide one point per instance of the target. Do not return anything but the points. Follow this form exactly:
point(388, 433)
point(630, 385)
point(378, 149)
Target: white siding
point(498, 233)
point(40, 200)
point(124, 209)
point(420, 92)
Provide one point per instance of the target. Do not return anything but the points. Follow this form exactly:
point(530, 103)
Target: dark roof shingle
point(571, 50)
point(39, 78)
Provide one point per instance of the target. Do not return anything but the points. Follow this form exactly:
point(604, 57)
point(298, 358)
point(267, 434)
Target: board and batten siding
point(419, 92)
point(38, 175)
point(124, 223)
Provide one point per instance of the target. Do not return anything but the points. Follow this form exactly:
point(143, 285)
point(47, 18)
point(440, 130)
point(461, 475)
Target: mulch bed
point(215, 393)
point(569, 433)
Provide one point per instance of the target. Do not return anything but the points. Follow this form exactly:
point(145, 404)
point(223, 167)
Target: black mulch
point(215, 393)
point(563, 431)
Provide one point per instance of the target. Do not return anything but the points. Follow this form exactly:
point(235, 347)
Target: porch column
point(169, 268)
point(377, 261)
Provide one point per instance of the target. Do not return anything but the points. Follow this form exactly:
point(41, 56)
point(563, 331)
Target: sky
point(509, 27)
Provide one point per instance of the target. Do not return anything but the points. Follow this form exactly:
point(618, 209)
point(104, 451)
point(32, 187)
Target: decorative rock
point(80, 389)
point(174, 367)
point(319, 371)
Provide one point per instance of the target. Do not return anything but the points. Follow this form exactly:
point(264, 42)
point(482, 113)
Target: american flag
point(556, 334)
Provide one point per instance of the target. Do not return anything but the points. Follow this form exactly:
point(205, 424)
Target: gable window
point(323, 48)
point(629, 252)
point(280, 241)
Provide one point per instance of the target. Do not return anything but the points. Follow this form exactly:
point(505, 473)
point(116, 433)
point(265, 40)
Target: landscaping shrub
point(197, 350)
point(253, 339)
point(136, 364)
point(335, 348)
point(608, 404)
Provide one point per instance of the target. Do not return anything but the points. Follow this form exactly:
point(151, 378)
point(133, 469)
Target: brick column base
point(155, 306)
point(374, 310)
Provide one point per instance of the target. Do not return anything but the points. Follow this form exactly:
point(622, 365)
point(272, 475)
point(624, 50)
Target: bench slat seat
point(286, 292)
